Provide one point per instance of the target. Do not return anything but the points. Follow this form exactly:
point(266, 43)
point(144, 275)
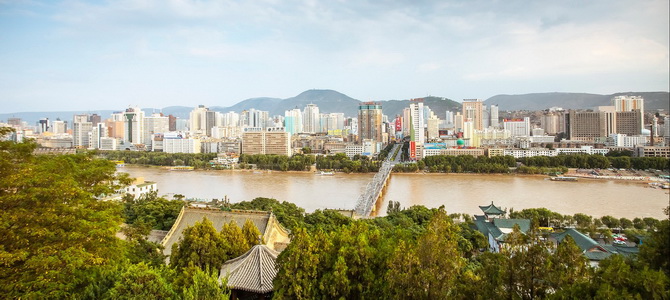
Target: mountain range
point(540, 101)
point(330, 101)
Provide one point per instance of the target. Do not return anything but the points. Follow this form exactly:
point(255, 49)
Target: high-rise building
point(198, 120)
point(417, 129)
point(94, 119)
point(629, 103)
point(493, 115)
point(230, 119)
point(133, 126)
point(43, 125)
point(550, 123)
point(458, 122)
point(81, 131)
point(433, 128)
point(449, 118)
point(588, 126)
point(472, 110)
point(628, 122)
point(417, 123)
point(266, 141)
point(255, 118)
point(370, 122)
point(172, 123)
point(293, 121)
point(97, 134)
point(59, 127)
point(154, 124)
point(311, 119)
point(518, 127)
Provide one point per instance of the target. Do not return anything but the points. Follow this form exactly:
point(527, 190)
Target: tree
point(288, 214)
point(55, 232)
point(299, 264)
point(235, 242)
point(251, 233)
point(201, 245)
point(158, 212)
point(568, 265)
point(610, 222)
point(141, 282)
point(430, 268)
point(205, 286)
point(655, 250)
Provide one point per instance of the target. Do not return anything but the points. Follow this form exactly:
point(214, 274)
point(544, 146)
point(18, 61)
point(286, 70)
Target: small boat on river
point(563, 178)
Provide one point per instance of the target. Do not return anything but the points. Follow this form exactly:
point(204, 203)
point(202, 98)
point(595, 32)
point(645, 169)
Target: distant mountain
point(438, 105)
point(541, 101)
point(330, 101)
point(262, 103)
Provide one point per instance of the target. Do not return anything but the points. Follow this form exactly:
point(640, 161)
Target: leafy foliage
point(288, 214)
point(197, 160)
point(141, 282)
point(201, 246)
point(297, 162)
point(54, 229)
point(339, 161)
point(156, 212)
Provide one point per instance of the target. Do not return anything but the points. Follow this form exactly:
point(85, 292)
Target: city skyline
point(78, 55)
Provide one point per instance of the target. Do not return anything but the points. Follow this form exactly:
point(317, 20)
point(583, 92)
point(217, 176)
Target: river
point(457, 192)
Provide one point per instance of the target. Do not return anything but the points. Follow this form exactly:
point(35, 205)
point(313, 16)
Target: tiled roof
point(190, 215)
point(583, 241)
point(254, 271)
point(524, 224)
point(492, 209)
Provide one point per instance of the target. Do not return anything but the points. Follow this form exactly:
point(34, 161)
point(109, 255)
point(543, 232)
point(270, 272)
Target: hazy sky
point(71, 55)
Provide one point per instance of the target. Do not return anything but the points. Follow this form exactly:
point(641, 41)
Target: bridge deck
point(372, 191)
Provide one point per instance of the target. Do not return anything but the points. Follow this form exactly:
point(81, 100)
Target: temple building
point(250, 275)
point(495, 228)
point(276, 237)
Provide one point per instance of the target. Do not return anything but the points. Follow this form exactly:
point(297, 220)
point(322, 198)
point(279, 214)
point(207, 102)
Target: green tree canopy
point(54, 229)
point(201, 245)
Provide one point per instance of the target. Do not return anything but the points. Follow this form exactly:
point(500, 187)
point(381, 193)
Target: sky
point(92, 55)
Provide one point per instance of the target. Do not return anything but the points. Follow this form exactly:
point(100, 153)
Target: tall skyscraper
point(255, 118)
point(43, 125)
point(198, 120)
point(293, 121)
point(449, 118)
point(630, 103)
point(311, 119)
point(98, 132)
point(81, 130)
point(133, 126)
point(156, 123)
point(95, 119)
point(472, 111)
point(494, 121)
point(172, 123)
point(370, 122)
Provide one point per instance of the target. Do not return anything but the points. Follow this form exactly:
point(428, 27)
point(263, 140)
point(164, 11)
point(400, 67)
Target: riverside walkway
point(373, 191)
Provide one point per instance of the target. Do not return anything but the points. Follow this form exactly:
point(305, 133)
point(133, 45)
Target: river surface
point(457, 192)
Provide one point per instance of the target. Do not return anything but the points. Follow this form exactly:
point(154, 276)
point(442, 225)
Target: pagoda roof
point(191, 215)
point(492, 209)
point(253, 271)
point(592, 249)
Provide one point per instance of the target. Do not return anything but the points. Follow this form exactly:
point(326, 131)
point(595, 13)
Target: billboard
point(412, 150)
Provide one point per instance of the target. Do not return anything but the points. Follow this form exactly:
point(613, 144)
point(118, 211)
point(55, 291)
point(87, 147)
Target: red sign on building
point(398, 124)
point(412, 150)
